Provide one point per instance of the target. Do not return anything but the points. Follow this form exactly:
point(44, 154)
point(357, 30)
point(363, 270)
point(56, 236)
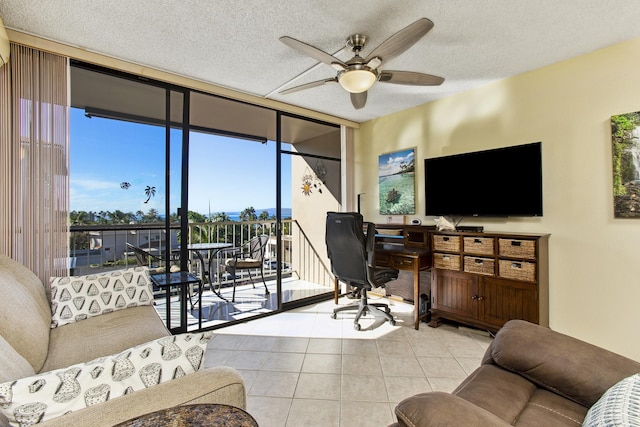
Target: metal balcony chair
point(352, 262)
point(248, 257)
point(155, 263)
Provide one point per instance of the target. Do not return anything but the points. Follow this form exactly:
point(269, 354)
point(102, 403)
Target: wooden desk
point(408, 259)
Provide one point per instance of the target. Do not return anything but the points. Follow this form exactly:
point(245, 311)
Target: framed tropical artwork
point(396, 183)
point(625, 146)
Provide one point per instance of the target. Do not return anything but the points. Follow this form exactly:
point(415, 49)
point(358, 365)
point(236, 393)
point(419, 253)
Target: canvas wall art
point(625, 143)
point(396, 182)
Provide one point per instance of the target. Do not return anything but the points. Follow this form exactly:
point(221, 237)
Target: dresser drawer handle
point(516, 265)
point(516, 243)
point(478, 261)
point(445, 239)
point(477, 241)
point(446, 258)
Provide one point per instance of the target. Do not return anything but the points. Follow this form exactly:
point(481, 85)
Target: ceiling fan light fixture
point(357, 80)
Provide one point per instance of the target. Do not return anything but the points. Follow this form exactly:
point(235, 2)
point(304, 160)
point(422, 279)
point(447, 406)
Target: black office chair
point(352, 261)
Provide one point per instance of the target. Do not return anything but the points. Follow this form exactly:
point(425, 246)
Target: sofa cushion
point(78, 298)
point(549, 409)
point(51, 394)
point(585, 373)
point(244, 263)
point(489, 387)
point(25, 314)
point(618, 406)
point(12, 364)
point(439, 409)
point(220, 385)
point(103, 335)
point(516, 400)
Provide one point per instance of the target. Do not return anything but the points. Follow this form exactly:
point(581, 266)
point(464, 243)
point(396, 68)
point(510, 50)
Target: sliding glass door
point(313, 186)
point(176, 179)
point(125, 152)
point(232, 208)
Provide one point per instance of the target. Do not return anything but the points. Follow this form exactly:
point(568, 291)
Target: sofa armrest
point(567, 366)
point(221, 385)
point(439, 409)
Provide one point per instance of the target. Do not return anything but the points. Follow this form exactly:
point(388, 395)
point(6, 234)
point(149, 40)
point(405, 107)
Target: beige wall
point(594, 258)
point(311, 210)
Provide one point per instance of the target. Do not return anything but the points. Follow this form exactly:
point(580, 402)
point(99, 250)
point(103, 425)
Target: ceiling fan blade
point(359, 99)
point(313, 52)
point(410, 78)
point(374, 62)
point(308, 85)
point(402, 40)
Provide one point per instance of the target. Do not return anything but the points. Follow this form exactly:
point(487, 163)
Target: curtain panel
point(34, 114)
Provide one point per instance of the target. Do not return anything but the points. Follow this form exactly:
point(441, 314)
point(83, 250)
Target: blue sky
point(226, 174)
point(389, 164)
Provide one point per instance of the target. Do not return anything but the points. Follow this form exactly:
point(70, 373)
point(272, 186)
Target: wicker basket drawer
point(517, 270)
point(479, 265)
point(517, 248)
point(446, 261)
point(478, 245)
point(446, 243)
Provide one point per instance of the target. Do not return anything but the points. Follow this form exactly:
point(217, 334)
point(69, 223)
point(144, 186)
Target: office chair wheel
point(392, 322)
point(356, 326)
point(334, 316)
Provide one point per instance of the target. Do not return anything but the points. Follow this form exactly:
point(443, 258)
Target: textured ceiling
point(235, 44)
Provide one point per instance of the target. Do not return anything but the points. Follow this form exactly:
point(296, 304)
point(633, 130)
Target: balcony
point(304, 275)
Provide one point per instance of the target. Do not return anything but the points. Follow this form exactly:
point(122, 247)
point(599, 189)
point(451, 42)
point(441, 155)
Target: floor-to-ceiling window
point(125, 158)
point(179, 179)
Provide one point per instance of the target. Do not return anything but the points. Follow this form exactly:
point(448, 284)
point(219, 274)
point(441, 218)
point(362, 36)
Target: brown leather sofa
point(529, 376)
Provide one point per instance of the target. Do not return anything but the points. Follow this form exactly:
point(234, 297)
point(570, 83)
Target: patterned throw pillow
point(618, 406)
point(78, 298)
point(48, 395)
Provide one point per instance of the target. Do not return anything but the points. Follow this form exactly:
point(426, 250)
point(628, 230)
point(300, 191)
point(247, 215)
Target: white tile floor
point(303, 368)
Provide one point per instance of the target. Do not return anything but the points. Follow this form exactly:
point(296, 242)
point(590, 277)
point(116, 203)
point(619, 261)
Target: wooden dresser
point(485, 279)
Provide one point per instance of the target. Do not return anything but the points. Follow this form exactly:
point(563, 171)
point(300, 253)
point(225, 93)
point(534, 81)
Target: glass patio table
point(212, 249)
point(182, 279)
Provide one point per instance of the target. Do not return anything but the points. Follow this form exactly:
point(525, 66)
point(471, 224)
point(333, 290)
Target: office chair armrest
point(371, 243)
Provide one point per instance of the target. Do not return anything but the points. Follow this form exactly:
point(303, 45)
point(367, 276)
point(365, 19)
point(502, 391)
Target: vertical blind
point(35, 158)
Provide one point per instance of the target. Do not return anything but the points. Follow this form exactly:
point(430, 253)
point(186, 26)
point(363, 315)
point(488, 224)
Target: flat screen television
point(502, 182)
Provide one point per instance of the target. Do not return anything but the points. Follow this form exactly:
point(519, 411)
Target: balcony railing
point(100, 248)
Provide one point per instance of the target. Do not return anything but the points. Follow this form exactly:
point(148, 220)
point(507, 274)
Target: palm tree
point(152, 216)
point(249, 214)
point(220, 217)
point(264, 215)
point(78, 217)
point(119, 217)
point(149, 192)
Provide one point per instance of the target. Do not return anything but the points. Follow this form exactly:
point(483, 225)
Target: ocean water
point(286, 213)
point(403, 184)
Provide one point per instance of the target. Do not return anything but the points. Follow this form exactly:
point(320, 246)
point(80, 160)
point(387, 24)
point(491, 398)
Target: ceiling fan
point(358, 74)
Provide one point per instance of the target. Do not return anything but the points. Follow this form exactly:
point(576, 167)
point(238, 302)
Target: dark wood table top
point(194, 415)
